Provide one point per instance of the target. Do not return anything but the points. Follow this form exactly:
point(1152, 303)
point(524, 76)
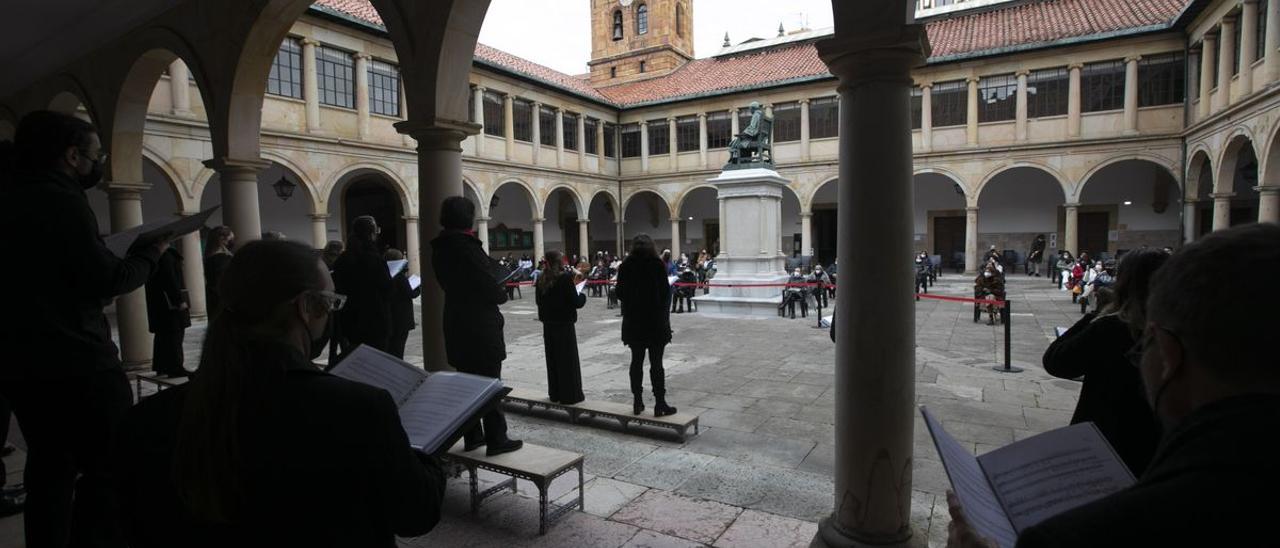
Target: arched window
point(642, 19)
point(617, 24)
point(680, 20)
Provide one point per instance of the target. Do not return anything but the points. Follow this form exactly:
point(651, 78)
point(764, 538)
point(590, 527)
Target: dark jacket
point(561, 301)
point(362, 275)
point(368, 486)
point(1112, 396)
point(214, 266)
point(167, 293)
point(59, 276)
point(402, 296)
point(472, 322)
point(1212, 482)
point(1037, 251)
point(644, 293)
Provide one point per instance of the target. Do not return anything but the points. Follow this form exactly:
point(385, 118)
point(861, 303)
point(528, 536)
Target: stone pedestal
point(751, 223)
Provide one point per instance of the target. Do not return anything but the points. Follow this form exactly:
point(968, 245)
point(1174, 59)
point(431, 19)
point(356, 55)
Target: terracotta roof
point(1025, 25)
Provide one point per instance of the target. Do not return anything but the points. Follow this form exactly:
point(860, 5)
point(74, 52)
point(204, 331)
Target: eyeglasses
point(335, 300)
point(1135, 353)
point(101, 159)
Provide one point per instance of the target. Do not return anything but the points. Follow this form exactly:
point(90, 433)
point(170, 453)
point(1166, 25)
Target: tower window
point(617, 25)
point(641, 66)
point(642, 19)
point(613, 72)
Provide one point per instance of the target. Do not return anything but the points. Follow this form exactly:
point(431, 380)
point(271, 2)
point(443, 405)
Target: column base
point(831, 535)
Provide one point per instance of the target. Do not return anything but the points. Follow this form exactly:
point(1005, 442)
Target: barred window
point(1260, 40)
point(1162, 79)
point(786, 122)
point(570, 124)
point(949, 103)
point(718, 129)
point(997, 97)
point(610, 139)
point(471, 105)
point(493, 115)
point(589, 134)
point(1047, 91)
point(824, 117)
point(334, 70)
point(1102, 86)
point(522, 119)
point(631, 140)
point(384, 88)
point(286, 70)
point(659, 137)
point(547, 126)
point(687, 134)
point(917, 104)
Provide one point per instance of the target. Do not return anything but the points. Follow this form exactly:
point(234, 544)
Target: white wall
point(933, 192)
point(292, 217)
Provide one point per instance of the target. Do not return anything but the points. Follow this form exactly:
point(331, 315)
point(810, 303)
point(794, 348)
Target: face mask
point(91, 179)
point(318, 344)
point(986, 274)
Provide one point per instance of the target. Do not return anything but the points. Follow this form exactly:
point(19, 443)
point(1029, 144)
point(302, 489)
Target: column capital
point(539, 220)
point(1133, 58)
point(508, 98)
point(483, 219)
point(537, 105)
point(584, 221)
point(559, 110)
point(972, 79)
point(1228, 20)
point(438, 133)
point(1211, 35)
point(805, 214)
point(309, 42)
point(225, 164)
point(1247, 2)
point(671, 120)
point(410, 218)
point(1264, 189)
point(599, 123)
point(925, 84)
point(318, 216)
point(1075, 66)
point(644, 123)
point(131, 192)
point(1222, 195)
point(362, 55)
point(884, 56)
point(971, 209)
point(703, 115)
point(1071, 205)
point(733, 111)
point(481, 88)
point(804, 101)
point(1022, 73)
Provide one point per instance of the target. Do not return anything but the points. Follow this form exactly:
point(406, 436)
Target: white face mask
point(986, 274)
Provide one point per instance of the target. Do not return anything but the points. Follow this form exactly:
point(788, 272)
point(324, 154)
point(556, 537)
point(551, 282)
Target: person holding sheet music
point(168, 316)
point(262, 447)
point(362, 275)
point(473, 340)
point(645, 293)
point(558, 303)
point(401, 300)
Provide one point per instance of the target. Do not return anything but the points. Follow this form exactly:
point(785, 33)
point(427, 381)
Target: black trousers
point(656, 374)
point(69, 425)
point(5, 413)
point(398, 340)
point(564, 373)
point(166, 350)
point(493, 427)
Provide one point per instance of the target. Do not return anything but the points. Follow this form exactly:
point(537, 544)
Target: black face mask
point(318, 344)
point(91, 179)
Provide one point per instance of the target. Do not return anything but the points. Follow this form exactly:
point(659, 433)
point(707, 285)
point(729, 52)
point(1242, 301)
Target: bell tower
point(637, 39)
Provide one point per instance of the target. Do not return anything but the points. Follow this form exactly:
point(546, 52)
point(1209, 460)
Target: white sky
point(557, 33)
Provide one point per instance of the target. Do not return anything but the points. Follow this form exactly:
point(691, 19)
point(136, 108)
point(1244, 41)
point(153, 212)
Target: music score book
point(154, 231)
point(1007, 490)
point(435, 408)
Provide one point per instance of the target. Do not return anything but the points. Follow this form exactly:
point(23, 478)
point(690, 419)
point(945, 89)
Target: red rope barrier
point(996, 302)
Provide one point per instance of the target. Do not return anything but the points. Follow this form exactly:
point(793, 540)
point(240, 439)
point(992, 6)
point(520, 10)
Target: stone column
point(310, 86)
point(1271, 43)
point(1071, 238)
point(193, 272)
point(482, 232)
point(239, 185)
point(478, 116)
point(1226, 54)
point(600, 152)
point(875, 349)
point(702, 139)
point(412, 247)
point(1189, 217)
point(804, 131)
point(1208, 66)
point(1073, 99)
point(1020, 107)
point(539, 248)
point(582, 141)
point(362, 95)
point(672, 149)
point(720, 226)
point(971, 240)
point(509, 125)
point(559, 137)
point(806, 233)
point(733, 122)
point(1131, 94)
point(1248, 44)
point(439, 177)
point(971, 112)
point(675, 238)
point(537, 131)
point(926, 116)
point(644, 146)
point(584, 239)
point(1268, 204)
point(131, 308)
point(1222, 210)
point(180, 88)
point(319, 230)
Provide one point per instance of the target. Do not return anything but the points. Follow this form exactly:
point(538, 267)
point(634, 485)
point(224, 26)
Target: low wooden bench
point(160, 383)
point(528, 400)
point(535, 463)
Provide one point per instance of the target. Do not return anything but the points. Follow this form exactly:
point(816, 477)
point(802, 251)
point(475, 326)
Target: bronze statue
point(753, 146)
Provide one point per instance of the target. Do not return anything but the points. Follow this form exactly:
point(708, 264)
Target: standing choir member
point(558, 303)
point(217, 255)
point(362, 275)
point(646, 321)
point(168, 315)
point(402, 295)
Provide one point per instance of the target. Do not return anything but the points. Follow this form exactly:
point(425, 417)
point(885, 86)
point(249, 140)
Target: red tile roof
point(1024, 25)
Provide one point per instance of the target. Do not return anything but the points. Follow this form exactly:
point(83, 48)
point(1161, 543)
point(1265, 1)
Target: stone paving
point(760, 472)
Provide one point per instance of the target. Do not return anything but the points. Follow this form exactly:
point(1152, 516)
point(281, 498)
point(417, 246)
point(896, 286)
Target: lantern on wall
point(284, 188)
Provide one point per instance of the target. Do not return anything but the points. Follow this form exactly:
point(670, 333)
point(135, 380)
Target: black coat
point(1212, 482)
point(561, 301)
point(1112, 396)
point(644, 293)
point(362, 275)
point(472, 322)
point(402, 296)
point(214, 266)
point(166, 294)
point(58, 276)
point(327, 463)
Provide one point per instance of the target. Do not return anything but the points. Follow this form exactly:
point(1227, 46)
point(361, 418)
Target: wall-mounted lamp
point(284, 189)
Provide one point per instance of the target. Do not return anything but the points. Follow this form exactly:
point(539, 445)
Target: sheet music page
point(1053, 472)
point(120, 242)
point(671, 280)
point(582, 286)
point(394, 267)
point(442, 404)
point(981, 506)
point(415, 281)
point(369, 366)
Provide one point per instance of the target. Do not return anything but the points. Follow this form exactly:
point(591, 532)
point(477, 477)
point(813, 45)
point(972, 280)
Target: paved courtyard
point(760, 472)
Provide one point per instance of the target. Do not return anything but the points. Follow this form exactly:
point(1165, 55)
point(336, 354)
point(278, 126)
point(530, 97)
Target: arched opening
point(700, 221)
point(1140, 201)
point(1199, 187)
point(824, 221)
point(70, 103)
point(290, 217)
point(367, 192)
point(1238, 177)
point(1020, 203)
point(617, 25)
point(647, 212)
point(511, 212)
point(560, 229)
point(791, 229)
point(469, 192)
point(940, 220)
point(603, 228)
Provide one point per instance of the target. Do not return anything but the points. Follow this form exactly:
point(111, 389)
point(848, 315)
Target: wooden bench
point(161, 383)
point(528, 400)
point(535, 463)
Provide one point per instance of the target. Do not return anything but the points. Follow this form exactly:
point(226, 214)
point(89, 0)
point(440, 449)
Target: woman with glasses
point(263, 448)
point(1098, 348)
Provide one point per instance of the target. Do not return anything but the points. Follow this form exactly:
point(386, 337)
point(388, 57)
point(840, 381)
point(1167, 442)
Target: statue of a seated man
point(753, 144)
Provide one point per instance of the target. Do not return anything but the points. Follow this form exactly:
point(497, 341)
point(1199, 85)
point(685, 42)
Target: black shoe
point(637, 407)
point(472, 445)
point(504, 447)
point(7, 450)
point(661, 409)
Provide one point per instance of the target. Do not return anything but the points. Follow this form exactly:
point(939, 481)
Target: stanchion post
point(817, 301)
point(1005, 316)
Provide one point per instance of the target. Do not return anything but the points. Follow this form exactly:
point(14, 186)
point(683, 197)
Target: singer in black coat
point(558, 306)
point(361, 274)
point(168, 316)
point(402, 320)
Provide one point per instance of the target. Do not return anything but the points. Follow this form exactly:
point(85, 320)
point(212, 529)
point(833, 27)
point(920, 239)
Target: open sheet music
point(434, 407)
point(157, 230)
point(1021, 484)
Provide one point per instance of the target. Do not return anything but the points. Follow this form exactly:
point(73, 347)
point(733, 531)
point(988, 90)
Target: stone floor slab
point(671, 514)
point(754, 528)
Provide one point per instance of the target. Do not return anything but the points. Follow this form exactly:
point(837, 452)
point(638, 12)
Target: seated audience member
point(262, 448)
point(989, 285)
point(1210, 376)
point(1095, 348)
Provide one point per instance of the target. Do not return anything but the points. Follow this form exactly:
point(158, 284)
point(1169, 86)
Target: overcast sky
point(557, 33)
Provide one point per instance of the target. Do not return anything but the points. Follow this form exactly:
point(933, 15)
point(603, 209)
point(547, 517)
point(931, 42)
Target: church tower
point(637, 39)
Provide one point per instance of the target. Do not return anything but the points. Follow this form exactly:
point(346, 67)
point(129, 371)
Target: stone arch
point(1197, 159)
point(304, 177)
point(611, 198)
point(684, 196)
point(482, 209)
point(181, 190)
point(955, 177)
point(1063, 185)
point(1224, 175)
point(535, 205)
point(65, 93)
point(627, 201)
point(352, 171)
point(577, 197)
point(806, 202)
point(1269, 166)
point(132, 102)
point(1111, 161)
